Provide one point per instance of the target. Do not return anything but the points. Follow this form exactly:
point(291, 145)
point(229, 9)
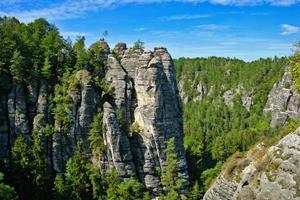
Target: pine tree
point(41, 169)
point(95, 136)
point(172, 183)
point(196, 193)
point(77, 176)
point(46, 69)
point(21, 168)
point(17, 67)
point(60, 189)
point(82, 57)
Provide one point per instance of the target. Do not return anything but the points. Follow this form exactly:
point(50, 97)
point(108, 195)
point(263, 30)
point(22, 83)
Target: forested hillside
point(224, 101)
point(87, 123)
point(80, 122)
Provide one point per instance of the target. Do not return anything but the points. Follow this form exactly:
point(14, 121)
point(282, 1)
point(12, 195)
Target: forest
point(213, 131)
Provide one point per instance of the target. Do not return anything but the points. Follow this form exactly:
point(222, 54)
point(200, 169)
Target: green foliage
point(209, 175)
point(95, 136)
point(214, 131)
point(134, 129)
point(82, 57)
point(31, 167)
point(17, 66)
point(138, 44)
point(7, 192)
point(60, 189)
point(113, 181)
point(170, 179)
point(130, 189)
point(63, 102)
point(196, 193)
point(77, 176)
point(46, 69)
point(99, 183)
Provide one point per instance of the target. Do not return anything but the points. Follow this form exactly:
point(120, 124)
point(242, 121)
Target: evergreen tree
point(21, 168)
point(46, 69)
point(7, 192)
point(195, 193)
point(171, 182)
point(17, 66)
point(99, 183)
point(41, 169)
point(82, 57)
point(131, 190)
point(77, 176)
point(95, 136)
point(60, 189)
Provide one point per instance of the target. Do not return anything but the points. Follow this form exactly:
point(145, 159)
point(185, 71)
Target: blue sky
point(246, 29)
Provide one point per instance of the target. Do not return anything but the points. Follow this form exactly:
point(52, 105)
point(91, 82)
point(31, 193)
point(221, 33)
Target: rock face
point(143, 94)
point(84, 103)
point(264, 173)
point(283, 101)
point(146, 94)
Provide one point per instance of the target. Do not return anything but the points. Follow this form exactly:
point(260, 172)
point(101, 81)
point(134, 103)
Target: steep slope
point(142, 93)
point(263, 173)
point(283, 101)
point(223, 108)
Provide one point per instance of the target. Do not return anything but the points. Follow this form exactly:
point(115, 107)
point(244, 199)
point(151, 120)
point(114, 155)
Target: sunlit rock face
point(263, 173)
point(283, 101)
point(144, 95)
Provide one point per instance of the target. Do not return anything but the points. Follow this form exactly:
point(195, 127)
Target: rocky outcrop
point(246, 98)
point(264, 173)
point(283, 101)
point(142, 94)
point(146, 94)
point(81, 112)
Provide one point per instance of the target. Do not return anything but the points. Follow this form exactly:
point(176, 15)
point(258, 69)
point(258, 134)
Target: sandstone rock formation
point(283, 101)
point(264, 173)
point(144, 94)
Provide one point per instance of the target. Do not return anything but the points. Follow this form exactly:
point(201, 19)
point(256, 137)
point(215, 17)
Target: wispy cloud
point(141, 29)
point(184, 17)
point(288, 29)
point(211, 27)
point(76, 8)
point(74, 34)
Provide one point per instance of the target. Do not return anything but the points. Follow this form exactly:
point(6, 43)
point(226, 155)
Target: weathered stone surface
point(17, 113)
point(146, 93)
point(268, 173)
point(228, 97)
point(283, 101)
point(143, 93)
point(159, 114)
point(118, 153)
point(83, 109)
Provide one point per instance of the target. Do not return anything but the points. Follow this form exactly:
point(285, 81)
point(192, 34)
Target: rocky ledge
point(264, 173)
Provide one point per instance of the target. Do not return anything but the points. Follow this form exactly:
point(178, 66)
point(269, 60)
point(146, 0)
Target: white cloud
point(184, 17)
point(289, 29)
point(141, 29)
point(74, 34)
point(76, 8)
point(211, 27)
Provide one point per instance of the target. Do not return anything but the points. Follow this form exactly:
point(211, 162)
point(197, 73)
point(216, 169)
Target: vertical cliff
point(146, 95)
point(141, 113)
point(283, 101)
